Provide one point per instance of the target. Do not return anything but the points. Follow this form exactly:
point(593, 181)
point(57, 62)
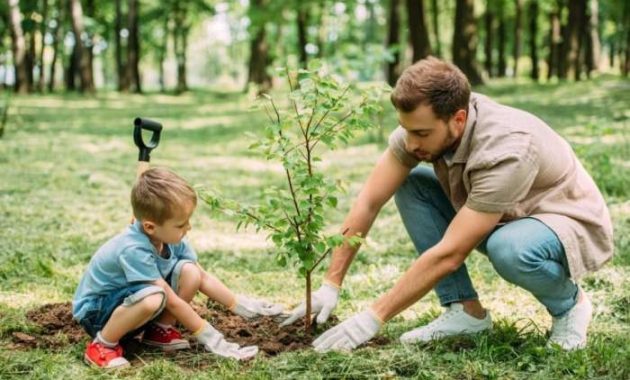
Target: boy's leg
point(185, 281)
point(426, 213)
point(117, 315)
point(527, 253)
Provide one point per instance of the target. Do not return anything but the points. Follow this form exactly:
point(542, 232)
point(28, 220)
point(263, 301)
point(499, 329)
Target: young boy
point(145, 277)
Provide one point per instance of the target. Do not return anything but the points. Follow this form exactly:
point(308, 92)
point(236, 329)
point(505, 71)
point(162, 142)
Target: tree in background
point(81, 46)
point(19, 47)
point(392, 71)
point(518, 31)
point(465, 41)
point(533, 35)
point(418, 33)
point(133, 47)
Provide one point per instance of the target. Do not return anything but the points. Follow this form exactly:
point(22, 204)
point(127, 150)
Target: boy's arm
point(215, 289)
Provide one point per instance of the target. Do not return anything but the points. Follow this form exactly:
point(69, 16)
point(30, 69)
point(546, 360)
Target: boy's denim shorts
point(101, 308)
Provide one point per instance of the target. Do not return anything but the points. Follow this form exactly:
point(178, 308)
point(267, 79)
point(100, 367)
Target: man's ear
point(148, 227)
point(460, 120)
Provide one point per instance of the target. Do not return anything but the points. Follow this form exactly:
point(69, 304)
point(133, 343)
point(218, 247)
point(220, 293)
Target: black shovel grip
point(145, 148)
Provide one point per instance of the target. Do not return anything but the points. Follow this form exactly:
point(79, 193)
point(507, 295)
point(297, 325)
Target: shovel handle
point(144, 154)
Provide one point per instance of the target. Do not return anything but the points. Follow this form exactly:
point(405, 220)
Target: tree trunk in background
point(85, 70)
point(18, 46)
point(518, 31)
point(502, 62)
point(573, 40)
point(30, 58)
point(418, 32)
point(40, 59)
point(392, 70)
point(302, 20)
point(259, 61)
point(533, 35)
point(89, 41)
point(465, 40)
point(489, 20)
point(625, 68)
point(57, 34)
point(322, 32)
point(162, 53)
point(133, 46)
point(554, 45)
point(593, 44)
point(121, 70)
point(180, 44)
point(71, 70)
point(436, 28)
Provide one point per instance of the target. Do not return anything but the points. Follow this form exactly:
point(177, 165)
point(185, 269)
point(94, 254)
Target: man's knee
point(510, 258)
point(418, 179)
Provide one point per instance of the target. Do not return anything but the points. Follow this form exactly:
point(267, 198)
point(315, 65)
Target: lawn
point(67, 164)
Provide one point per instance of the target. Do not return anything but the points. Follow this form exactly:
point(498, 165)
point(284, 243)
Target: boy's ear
point(148, 227)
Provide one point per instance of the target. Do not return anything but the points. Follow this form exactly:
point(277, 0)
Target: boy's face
point(173, 230)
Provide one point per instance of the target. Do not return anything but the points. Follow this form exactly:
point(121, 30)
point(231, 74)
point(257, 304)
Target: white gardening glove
point(251, 308)
point(350, 333)
point(323, 301)
point(213, 341)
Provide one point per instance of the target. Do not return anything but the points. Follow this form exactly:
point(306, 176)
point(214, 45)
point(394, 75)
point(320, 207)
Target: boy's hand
point(323, 300)
point(251, 308)
point(214, 342)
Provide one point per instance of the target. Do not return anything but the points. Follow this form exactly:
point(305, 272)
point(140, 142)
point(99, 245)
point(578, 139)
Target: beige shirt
point(511, 162)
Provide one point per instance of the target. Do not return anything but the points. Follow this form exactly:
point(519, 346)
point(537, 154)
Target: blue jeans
point(524, 252)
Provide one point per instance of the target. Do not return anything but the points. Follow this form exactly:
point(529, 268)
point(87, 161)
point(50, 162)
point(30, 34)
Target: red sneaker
point(168, 339)
point(98, 355)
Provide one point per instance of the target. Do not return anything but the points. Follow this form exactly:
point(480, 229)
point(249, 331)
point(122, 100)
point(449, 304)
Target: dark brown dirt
point(58, 330)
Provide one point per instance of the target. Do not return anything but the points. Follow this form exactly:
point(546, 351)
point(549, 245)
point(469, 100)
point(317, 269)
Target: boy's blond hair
point(158, 193)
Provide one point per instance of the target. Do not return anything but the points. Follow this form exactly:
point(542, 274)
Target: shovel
point(144, 154)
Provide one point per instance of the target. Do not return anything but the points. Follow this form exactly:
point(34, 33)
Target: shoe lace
point(448, 314)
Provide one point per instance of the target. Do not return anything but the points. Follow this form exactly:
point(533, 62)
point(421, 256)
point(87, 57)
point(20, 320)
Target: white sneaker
point(454, 321)
point(569, 331)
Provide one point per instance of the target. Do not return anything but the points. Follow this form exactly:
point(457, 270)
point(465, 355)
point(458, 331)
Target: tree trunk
point(18, 46)
point(436, 27)
point(40, 60)
point(533, 35)
point(465, 41)
point(163, 52)
point(573, 40)
point(418, 32)
point(259, 61)
point(180, 41)
point(133, 46)
point(57, 35)
point(302, 20)
point(121, 69)
point(502, 62)
point(393, 42)
point(518, 31)
point(489, 20)
point(85, 70)
point(594, 47)
point(554, 45)
point(308, 311)
point(71, 70)
point(625, 68)
point(30, 58)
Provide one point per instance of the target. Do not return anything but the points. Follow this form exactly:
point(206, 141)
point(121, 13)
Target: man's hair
point(432, 82)
point(158, 193)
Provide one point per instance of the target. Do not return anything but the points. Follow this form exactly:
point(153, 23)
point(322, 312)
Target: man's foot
point(99, 355)
point(569, 331)
point(166, 338)
point(454, 321)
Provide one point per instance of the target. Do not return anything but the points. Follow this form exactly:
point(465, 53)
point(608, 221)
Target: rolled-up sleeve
point(139, 265)
point(397, 147)
point(500, 184)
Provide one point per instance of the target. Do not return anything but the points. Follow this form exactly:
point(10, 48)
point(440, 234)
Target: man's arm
point(386, 177)
point(467, 229)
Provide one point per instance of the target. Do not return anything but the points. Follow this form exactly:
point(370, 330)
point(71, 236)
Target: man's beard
point(450, 144)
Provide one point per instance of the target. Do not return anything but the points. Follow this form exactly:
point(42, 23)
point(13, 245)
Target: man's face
point(173, 230)
point(429, 137)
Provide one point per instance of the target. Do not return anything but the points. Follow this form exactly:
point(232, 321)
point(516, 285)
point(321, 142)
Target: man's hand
point(251, 308)
point(213, 341)
point(323, 301)
point(350, 333)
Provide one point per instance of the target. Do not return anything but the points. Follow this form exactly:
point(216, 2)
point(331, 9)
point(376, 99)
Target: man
point(502, 182)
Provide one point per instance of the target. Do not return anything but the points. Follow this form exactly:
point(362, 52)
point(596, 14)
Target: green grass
point(67, 164)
